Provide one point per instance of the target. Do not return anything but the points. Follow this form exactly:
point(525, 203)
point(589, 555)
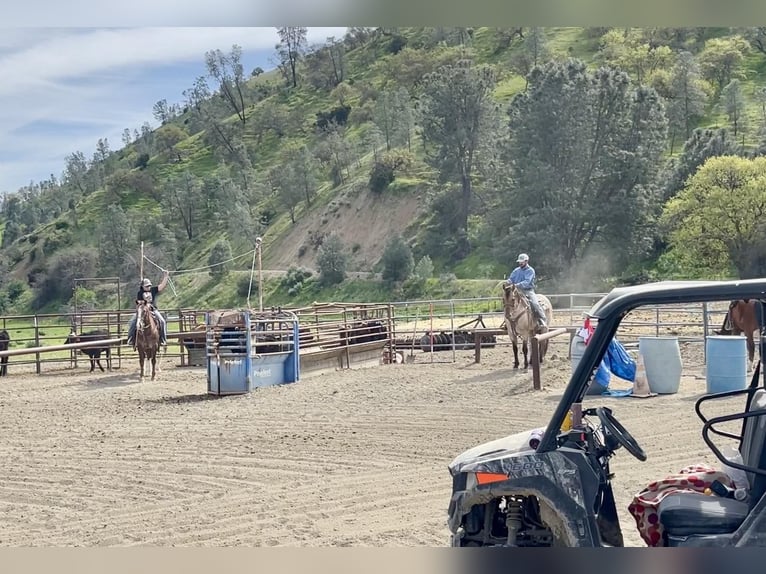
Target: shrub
point(397, 260)
point(332, 261)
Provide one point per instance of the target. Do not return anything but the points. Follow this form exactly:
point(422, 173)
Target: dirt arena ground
point(352, 458)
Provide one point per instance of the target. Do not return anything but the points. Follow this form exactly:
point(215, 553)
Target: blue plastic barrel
point(726, 368)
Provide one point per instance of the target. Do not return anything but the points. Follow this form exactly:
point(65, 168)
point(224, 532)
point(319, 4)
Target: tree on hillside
point(702, 145)
point(167, 137)
point(502, 38)
point(688, 98)
point(335, 151)
point(303, 164)
point(395, 117)
point(458, 118)
point(76, 173)
point(291, 48)
point(733, 103)
point(756, 36)
point(534, 52)
point(332, 260)
point(181, 201)
point(60, 272)
point(219, 259)
point(325, 67)
point(717, 219)
point(223, 137)
point(162, 112)
point(721, 60)
point(584, 153)
point(288, 187)
point(630, 51)
point(116, 237)
point(127, 138)
point(397, 260)
point(227, 70)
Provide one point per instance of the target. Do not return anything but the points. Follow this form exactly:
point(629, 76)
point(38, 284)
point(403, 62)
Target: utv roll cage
point(610, 311)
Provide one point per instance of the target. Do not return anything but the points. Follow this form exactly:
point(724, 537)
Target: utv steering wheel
point(618, 432)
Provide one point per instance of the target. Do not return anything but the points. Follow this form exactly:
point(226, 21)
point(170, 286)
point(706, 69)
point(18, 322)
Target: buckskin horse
point(742, 318)
point(520, 321)
point(147, 336)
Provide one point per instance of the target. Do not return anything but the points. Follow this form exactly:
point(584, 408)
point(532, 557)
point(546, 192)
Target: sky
point(64, 88)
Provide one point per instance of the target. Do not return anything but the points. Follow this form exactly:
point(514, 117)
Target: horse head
point(513, 297)
point(144, 316)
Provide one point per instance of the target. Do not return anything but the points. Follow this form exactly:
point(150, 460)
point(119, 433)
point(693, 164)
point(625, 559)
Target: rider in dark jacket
point(148, 292)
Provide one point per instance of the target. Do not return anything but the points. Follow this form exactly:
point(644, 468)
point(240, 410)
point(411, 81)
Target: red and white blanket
point(695, 478)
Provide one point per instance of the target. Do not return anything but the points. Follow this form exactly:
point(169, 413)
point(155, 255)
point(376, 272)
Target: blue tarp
point(616, 360)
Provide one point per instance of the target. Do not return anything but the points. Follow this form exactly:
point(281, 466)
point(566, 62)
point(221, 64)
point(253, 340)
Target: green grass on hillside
point(373, 64)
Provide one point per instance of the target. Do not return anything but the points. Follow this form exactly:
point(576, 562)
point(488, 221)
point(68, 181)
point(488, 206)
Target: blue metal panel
point(251, 352)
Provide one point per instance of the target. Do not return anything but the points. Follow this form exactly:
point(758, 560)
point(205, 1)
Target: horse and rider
point(525, 280)
point(148, 293)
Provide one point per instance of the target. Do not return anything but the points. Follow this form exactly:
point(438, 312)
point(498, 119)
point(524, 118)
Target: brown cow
point(742, 318)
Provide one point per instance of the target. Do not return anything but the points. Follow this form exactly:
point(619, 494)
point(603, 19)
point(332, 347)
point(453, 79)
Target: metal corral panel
point(247, 350)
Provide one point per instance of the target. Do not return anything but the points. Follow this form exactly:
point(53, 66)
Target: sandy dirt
point(357, 457)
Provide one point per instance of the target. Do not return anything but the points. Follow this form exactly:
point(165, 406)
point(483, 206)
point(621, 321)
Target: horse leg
point(154, 364)
point(109, 359)
point(525, 348)
point(141, 362)
point(750, 351)
point(515, 353)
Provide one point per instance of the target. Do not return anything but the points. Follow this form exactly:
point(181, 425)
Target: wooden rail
point(535, 353)
point(49, 348)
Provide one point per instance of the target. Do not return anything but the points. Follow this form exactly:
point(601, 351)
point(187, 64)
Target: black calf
point(93, 352)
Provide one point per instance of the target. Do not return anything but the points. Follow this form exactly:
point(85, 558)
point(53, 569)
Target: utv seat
point(685, 514)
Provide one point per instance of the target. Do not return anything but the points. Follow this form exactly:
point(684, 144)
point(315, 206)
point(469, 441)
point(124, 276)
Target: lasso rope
point(207, 267)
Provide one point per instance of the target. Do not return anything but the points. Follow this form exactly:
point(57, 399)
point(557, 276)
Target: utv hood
point(512, 444)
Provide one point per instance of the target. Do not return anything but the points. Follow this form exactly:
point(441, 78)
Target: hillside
point(391, 133)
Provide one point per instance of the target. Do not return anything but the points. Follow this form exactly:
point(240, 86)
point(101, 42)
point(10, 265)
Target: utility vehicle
point(557, 490)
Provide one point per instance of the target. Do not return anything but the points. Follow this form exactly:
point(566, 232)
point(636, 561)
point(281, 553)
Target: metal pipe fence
point(407, 324)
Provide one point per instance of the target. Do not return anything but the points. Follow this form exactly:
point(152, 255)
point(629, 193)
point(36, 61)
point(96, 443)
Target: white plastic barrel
point(662, 361)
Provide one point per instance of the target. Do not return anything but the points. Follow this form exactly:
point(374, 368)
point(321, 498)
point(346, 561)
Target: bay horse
point(742, 318)
point(147, 336)
point(520, 320)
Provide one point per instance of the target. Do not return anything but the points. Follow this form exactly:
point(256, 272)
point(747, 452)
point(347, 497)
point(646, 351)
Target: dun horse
point(147, 336)
point(742, 318)
point(520, 321)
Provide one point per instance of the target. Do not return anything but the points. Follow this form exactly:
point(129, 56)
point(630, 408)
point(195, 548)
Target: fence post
point(535, 359)
point(37, 344)
point(119, 334)
point(705, 331)
point(657, 321)
point(452, 327)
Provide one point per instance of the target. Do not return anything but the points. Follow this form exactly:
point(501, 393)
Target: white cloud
point(103, 79)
